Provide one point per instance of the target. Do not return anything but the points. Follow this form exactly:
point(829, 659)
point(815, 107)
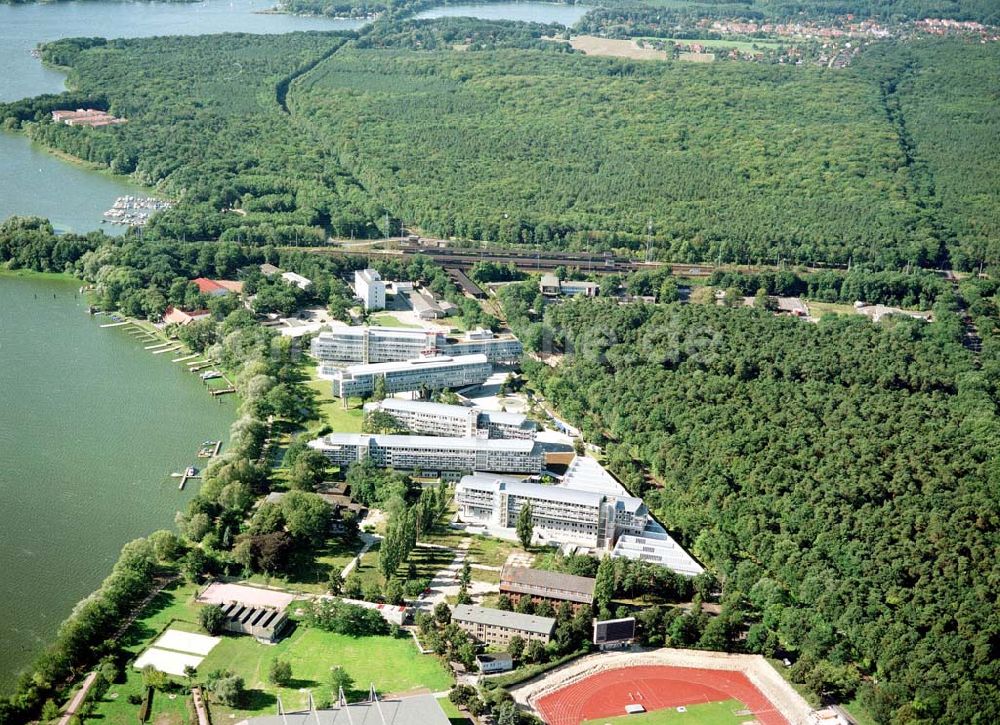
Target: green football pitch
point(711, 713)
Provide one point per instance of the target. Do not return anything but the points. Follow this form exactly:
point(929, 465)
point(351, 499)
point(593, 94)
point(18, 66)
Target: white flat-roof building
point(432, 453)
point(563, 515)
point(361, 344)
point(368, 285)
point(657, 548)
point(439, 419)
point(303, 283)
point(434, 373)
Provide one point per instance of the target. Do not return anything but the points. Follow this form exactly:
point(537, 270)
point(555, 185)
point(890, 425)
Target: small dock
point(175, 348)
point(116, 324)
point(210, 449)
point(186, 357)
point(184, 479)
point(158, 346)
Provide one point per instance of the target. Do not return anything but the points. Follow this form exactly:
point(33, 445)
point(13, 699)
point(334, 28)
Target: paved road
point(78, 699)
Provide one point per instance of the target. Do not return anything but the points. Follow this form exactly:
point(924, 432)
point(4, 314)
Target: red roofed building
point(217, 287)
point(174, 316)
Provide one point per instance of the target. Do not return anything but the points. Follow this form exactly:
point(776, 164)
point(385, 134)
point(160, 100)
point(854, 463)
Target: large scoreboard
point(614, 632)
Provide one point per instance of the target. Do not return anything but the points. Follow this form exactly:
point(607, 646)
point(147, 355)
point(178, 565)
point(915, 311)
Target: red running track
point(655, 687)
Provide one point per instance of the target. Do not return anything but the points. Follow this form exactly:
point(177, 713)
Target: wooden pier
point(158, 346)
point(184, 479)
point(185, 357)
point(210, 450)
point(175, 348)
point(116, 324)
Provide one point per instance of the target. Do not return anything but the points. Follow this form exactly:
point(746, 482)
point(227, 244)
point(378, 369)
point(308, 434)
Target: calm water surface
point(91, 426)
point(74, 199)
point(525, 12)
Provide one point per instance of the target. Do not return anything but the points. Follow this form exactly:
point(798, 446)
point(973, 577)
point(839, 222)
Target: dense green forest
point(895, 10)
point(943, 99)
point(730, 161)
point(205, 124)
point(841, 478)
point(518, 140)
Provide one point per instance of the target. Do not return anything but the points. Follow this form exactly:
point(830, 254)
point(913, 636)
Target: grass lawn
point(453, 713)
point(387, 320)
point(711, 713)
point(332, 411)
point(115, 709)
point(858, 712)
point(426, 563)
point(393, 664)
point(312, 573)
point(742, 45)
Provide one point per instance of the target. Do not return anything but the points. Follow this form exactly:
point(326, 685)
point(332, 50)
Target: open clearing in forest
point(592, 45)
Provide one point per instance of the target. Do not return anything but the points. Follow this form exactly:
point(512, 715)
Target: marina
point(134, 211)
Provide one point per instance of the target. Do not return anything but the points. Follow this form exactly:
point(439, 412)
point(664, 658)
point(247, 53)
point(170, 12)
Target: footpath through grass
point(710, 713)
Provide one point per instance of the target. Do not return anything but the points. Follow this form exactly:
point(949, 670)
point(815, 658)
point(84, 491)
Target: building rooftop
point(657, 548)
point(269, 269)
point(421, 406)
point(429, 363)
point(427, 442)
point(377, 331)
point(297, 279)
point(586, 474)
point(422, 709)
point(368, 275)
point(526, 577)
point(423, 301)
point(531, 490)
point(502, 618)
point(506, 418)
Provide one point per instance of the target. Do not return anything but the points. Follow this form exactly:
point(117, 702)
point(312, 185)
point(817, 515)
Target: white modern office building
point(432, 454)
point(435, 373)
point(368, 285)
point(657, 547)
point(361, 344)
point(559, 515)
point(426, 418)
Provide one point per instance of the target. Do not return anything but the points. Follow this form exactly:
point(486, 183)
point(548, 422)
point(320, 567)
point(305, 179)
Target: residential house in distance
point(435, 373)
point(552, 286)
point(539, 585)
point(431, 454)
point(177, 316)
point(549, 285)
point(494, 662)
point(218, 287)
point(497, 627)
point(370, 288)
point(269, 270)
point(303, 283)
point(426, 418)
point(87, 117)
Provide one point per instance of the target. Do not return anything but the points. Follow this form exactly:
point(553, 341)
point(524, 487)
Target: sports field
point(711, 713)
point(603, 697)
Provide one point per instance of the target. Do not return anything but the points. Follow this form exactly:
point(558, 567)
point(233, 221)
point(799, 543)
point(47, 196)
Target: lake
point(525, 12)
point(29, 175)
point(91, 426)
